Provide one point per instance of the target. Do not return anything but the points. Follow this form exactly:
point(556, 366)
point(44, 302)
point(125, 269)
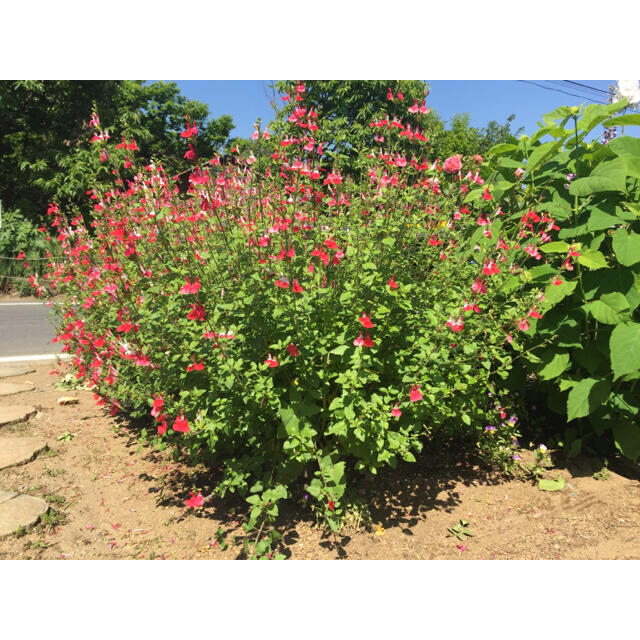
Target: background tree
point(45, 136)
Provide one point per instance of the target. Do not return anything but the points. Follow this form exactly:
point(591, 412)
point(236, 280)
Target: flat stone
point(16, 413)
point(20, 511)
point(17, 451)
point(9, 389)
point(7, 495)
point(8, 371)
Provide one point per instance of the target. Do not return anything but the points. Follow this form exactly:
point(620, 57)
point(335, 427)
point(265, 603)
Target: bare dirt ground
point(112, 498)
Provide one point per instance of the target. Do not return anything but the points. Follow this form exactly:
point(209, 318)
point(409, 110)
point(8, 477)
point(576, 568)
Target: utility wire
point(608, 93)
point(575, 95)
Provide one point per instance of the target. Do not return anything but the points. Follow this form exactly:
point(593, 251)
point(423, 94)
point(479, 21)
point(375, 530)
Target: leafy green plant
point(66, 436)
point(589, 368)
point(460, 530)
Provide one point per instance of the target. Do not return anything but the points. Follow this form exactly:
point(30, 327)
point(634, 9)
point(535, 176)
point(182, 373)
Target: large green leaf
point(610, 309)
point(594, 114)
point(541, 153)
point(561, 112)
point(592, 259)
point(607, 176)
point(555, 247)
point(626, 247)
point(586, 396)
point(624, 345)
point(503, 147)
point(289, 420)
point(554, 294)
point(627, 119)
point(627, 438)
point(555, 364)
point(599, 220)
point(629, 149)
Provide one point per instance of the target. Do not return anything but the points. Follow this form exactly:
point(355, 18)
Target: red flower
point(359, 341)
point(197, 366)
point(330, 243)
point(368, 342)
point(523, 325)
point(20, 256)
point(365, 320)
point(181, 425)
point(293, 350)
point(331, 505)
point(195, 500)
point(190, 131)
point(486, 195)
point(190, 287)
point(395, 412)
point(158, 403)
point(283, 283)
point(479, 286)
point(162, 428)
point(534, 313)
point(490, 268)
point(295, 287)
point(392, 283)
point(196, 313)
point(455, 325)
point(271, 362)
point(415, 394)
point(125, 327)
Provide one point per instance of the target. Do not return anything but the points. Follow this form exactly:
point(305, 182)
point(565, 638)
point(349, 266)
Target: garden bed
point(113, 498)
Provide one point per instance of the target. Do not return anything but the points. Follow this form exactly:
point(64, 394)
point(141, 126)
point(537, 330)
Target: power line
point(575, 95)
point(607, 93)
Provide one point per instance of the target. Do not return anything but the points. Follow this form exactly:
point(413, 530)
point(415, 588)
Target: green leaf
point(607, 176)
point(289, 420)
point(627, 119)
point(609, 309)
point(599, 220)
point(594, 114)
point(555, 366)
point(627, 438)
point(557, 114)
point(592, 259)
point(554, 294)
point(586, 396)
point(503, 147)
point(555, 247)
point(339, 350)
point(624, 345)
point(551, 485)
point(541, 153)
point(626, 246)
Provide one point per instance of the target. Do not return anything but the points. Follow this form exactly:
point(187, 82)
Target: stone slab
point(8, 371)
point(17, 451)
point(7, 495)
point(9, 388)
point(20, 511)
point(16, 413)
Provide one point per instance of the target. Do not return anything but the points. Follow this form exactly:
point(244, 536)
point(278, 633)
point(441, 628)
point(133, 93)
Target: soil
point(114, 498)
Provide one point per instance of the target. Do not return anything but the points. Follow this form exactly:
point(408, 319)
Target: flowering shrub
point(292, 324)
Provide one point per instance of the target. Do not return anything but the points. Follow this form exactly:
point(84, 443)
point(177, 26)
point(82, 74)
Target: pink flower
point(392, 283)
point(296, 288)
point(519, 172)
point(452, 164)
point(523, 325)
point(365, 321)
point(455, 325)
point(293, 350)
point(534, 313)
point(271, 362)
point(359, 341)
point(195, 500)
point(395, 412)
point(196, 313)
point(415, 394)
point(190, 287)
point(479, 286)
point(181, 425)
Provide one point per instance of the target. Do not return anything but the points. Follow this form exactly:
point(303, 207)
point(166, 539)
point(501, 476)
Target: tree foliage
point(44, 150)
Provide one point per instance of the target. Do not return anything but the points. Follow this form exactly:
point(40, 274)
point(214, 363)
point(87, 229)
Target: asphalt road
point(26, 329)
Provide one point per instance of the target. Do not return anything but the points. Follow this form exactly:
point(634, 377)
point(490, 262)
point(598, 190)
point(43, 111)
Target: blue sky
point(484, 100)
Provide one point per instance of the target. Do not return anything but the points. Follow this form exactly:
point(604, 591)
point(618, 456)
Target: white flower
point(629, 89)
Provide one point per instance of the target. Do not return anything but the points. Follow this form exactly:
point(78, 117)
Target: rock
point(20, 511)
point(7, 495)
point(16, 413)
point(8, 371)
point(17, 451)
point(9, 389)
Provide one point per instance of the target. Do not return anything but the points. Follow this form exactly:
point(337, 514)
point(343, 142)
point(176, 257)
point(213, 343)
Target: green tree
point(45, 152)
